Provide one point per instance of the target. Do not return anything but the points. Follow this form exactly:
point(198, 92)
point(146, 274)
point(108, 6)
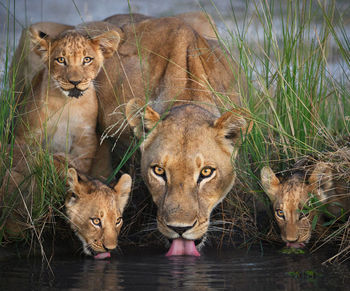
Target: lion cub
point(94, 211)
point(293, 194)
point(61, 111)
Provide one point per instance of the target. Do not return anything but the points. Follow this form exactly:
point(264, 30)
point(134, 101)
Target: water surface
point(140, 269)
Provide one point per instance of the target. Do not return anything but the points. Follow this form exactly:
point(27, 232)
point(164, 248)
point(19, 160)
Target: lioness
point(291, 195)
point(190, 137)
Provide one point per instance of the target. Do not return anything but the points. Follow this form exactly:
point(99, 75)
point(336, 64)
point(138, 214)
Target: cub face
point(187, 164)
point(73, 57)
point(289, 198)
point(95, 210)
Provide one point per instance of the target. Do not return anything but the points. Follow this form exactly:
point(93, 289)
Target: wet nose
point(292, 239)
point(74, 82)
point(181, 229)
point(109, 248)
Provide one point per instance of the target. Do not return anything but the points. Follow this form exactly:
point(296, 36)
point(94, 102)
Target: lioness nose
point(109, 248)
point(181, 229)
point(74, 82)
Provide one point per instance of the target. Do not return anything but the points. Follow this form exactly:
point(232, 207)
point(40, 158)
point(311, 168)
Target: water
point(144, 269)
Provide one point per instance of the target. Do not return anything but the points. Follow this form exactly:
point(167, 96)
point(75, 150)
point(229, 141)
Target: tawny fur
point(89, 200)
point(292, 194)
point(180, 72)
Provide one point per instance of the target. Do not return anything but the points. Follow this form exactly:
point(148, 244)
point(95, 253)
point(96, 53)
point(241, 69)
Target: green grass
point(298, 107)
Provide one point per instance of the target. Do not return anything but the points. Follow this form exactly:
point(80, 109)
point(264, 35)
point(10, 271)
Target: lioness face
point(187, 164)
point(95, 211)
point(73, 58)
point(289, 198)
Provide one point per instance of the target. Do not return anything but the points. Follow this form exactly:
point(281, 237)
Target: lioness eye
point(61, 60)
point(280, 213)
point(159, 171)
point(119, 220)
point(96, 221)
point(207, 172)
point(87, 60)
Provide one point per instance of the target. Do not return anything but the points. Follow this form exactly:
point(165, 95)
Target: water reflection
point(150, 270)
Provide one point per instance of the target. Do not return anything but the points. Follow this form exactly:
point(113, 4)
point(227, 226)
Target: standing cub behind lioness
point(61, 111)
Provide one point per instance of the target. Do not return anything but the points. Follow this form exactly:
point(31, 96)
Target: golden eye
point(87, 60)
point(96, 221)
point(159, 171)
point(207, 172)
point(61, 60)
point(280, 213)
point(119, 220)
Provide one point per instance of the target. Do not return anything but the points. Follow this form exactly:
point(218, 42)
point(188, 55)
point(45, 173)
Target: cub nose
point(292, 239)
point(181, 229)
point(74, 82)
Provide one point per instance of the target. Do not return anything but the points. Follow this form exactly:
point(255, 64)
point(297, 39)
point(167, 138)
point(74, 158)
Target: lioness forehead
point(187, 116)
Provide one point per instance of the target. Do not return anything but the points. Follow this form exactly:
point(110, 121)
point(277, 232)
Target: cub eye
point(280, 213)
point(96, 221)
point(61, 60)
point(159, 171)
point(119, 220)
point(206, 172)
point(87, 60)
point(303, 214)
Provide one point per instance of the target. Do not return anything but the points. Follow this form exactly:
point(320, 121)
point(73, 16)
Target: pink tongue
point(102, 256)
point(295, 245)
point(181, 247)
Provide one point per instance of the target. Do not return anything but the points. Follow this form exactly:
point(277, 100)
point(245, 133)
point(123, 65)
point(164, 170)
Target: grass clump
point(300, 107)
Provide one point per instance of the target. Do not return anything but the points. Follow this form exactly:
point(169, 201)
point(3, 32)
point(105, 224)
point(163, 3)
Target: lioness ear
point(108, 42)
point(270, 183)
point(140, 117)
point(232, 123)
point(122, 190)
point(40, 41)
point(321, 178)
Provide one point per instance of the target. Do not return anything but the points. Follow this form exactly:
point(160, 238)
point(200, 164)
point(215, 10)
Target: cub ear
point(232, 124)
point(122, 190)
point(321, 178)
point(40, 42)
point(108, 42)
point(270, 183)
point(74, 186)
point(141, 117)
point(42, 33)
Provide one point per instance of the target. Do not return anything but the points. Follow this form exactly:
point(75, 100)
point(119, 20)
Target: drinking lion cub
point(94, 210)
point(293, 194)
